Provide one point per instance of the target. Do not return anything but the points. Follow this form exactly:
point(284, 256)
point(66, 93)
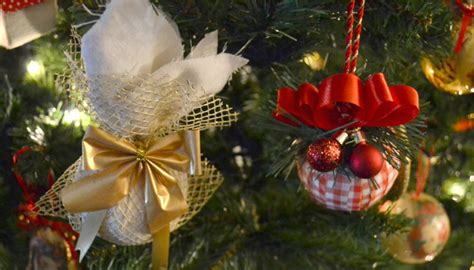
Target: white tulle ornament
point(136, 83)
point(131, 42)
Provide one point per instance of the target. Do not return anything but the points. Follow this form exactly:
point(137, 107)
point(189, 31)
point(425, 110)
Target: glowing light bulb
point(314, 61)
point(33, 68)
point(455, 188)
point(458, 191)
point(72, 116)
point(36, 134)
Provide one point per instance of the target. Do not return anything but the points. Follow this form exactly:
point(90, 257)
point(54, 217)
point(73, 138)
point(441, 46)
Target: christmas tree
point(258, 219)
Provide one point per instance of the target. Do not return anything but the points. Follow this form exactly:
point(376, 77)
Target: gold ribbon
point(120, 165)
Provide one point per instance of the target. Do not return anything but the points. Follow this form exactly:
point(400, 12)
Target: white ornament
point(134, 52)
point(134, 62)
point(27, 24)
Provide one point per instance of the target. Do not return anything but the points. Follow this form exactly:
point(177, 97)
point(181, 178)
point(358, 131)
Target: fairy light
point(33, 68)
point(56, 116)
point(72, 116)
point(239, 160)
point(314, 61)
point(455, 188)
point(36, 134)
point(457, 191)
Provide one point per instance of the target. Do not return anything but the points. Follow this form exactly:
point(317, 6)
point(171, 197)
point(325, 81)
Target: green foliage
point(104, 256)
point(254, 221)
point(5, 258)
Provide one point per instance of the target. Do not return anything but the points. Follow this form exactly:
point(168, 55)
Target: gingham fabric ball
point(336, 191)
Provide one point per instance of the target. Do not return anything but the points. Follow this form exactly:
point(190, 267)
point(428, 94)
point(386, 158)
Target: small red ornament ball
point(324, 154)
point(366, 161)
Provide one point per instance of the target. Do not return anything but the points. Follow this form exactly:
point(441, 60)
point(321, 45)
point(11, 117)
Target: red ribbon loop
point(343, 98)
point(339, 101)
point(297, 103)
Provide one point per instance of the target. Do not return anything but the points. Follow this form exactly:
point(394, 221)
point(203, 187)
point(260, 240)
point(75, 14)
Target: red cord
point(355, 48)
point(350, 26)
point(422, 170)
point(466, 20)
point(421, 173)
point(19, 178)
point(51, 178)
point(352, 46)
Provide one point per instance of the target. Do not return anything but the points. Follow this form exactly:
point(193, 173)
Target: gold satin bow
point(120, 165)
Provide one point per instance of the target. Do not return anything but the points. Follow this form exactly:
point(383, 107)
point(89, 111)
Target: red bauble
point(366, 161)
point(324, 154)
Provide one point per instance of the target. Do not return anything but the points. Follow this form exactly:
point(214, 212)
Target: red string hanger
point(27, 195)
point(423, 169)
point(468, 12)
point(353, 41)
point(30, 221)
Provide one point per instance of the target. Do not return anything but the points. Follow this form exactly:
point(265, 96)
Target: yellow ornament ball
point(428, 234)
point(454, 74)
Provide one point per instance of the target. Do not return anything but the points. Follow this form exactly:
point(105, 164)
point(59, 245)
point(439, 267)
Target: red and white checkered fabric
point(336, 191)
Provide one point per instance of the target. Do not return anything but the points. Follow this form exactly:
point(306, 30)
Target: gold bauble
point(427, 235)
point(49, 250)
point(454, 74)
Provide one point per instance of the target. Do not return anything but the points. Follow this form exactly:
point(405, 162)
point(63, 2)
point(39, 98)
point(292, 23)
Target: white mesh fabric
point(126, 224)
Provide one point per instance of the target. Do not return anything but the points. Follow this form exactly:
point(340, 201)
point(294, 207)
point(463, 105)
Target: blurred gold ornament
point(48, 250)
point(454, 74)
point(314, 61)
point(427, 235)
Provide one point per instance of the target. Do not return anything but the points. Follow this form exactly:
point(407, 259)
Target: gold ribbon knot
point(119, 165)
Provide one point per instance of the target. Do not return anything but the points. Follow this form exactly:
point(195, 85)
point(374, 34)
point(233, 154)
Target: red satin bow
point(343, 98)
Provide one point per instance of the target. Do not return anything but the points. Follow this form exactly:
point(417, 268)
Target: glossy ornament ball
point(428, 234)
point(454, 74)
point(48, 250)
point(366, 161)
point(324, 154)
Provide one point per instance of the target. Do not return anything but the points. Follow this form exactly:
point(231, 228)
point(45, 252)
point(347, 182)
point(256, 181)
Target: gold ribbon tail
point(160, 249)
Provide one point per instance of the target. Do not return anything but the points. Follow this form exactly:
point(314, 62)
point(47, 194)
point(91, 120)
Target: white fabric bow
point(133, 40)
